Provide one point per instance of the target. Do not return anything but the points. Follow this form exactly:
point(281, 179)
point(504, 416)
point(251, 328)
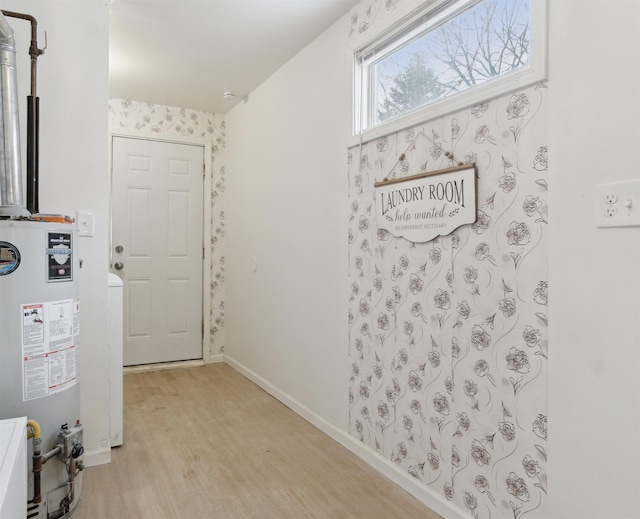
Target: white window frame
point(434, 12)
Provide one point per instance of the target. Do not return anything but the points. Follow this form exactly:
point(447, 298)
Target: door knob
point(119, 265)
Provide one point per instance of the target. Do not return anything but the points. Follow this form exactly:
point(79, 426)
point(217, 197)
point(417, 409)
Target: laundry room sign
point(424, 206)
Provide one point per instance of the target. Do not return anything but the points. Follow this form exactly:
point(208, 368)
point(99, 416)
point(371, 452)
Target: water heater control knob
point(77, 450)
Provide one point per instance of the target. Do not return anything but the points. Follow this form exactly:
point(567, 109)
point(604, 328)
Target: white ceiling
point(188, 53)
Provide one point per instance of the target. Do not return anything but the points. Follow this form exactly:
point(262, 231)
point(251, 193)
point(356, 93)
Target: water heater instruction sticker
point(50, 333)
point(9, 258)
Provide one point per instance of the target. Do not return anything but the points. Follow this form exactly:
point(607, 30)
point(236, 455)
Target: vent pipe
point(33, 115)
point(11, 203)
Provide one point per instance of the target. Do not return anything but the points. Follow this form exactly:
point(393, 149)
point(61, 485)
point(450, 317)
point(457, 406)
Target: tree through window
point(445, 53)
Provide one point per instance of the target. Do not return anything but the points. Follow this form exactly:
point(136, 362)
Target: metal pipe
point(34, 51)
point(33, 115)
point(38, 461)
point(37, 485)
point(33, 431)
point(11, 202)
point(37, 469)
point(38, 458)
point(33, 149)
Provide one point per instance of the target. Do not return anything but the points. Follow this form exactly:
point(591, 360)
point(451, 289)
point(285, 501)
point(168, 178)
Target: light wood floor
point(205, 442)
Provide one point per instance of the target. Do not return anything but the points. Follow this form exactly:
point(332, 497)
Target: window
point(454, 54)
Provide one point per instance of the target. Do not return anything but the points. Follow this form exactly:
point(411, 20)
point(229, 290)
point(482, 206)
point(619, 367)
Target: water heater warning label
point(50, 334)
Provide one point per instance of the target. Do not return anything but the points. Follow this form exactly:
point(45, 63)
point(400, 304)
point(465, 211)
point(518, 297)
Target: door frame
point(206, 224)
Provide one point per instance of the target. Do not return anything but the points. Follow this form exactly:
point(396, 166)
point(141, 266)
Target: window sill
point(461, 101)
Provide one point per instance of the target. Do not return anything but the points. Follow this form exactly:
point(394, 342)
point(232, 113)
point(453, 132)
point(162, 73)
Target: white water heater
point(40, 354)
point(39, 308)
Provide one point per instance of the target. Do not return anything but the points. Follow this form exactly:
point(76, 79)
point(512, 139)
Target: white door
point(157, 222)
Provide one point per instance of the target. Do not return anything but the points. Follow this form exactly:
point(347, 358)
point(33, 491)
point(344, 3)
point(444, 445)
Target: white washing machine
point(13, 468)
point(115, 360)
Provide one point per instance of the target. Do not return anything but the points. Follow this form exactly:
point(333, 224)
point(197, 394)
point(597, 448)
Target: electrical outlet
point(618, 204)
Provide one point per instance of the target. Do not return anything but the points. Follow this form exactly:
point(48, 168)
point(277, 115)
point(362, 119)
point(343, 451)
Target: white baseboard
point(163, 365)
point(386, 467)
point(214, 359)
point(98, 457)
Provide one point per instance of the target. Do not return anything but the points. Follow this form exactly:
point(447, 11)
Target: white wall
point(286, 179)
point(594, 398)
point(73, 91)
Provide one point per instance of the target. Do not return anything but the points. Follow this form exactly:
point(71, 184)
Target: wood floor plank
point(205, 442)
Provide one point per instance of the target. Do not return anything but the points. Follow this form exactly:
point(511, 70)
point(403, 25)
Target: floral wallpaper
point(167, 121)
point(448, 339)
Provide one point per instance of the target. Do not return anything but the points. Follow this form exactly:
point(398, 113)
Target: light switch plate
point(86, 221)
point(618, 204)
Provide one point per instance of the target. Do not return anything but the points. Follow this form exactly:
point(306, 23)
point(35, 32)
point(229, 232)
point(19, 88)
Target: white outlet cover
point(618, 204)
